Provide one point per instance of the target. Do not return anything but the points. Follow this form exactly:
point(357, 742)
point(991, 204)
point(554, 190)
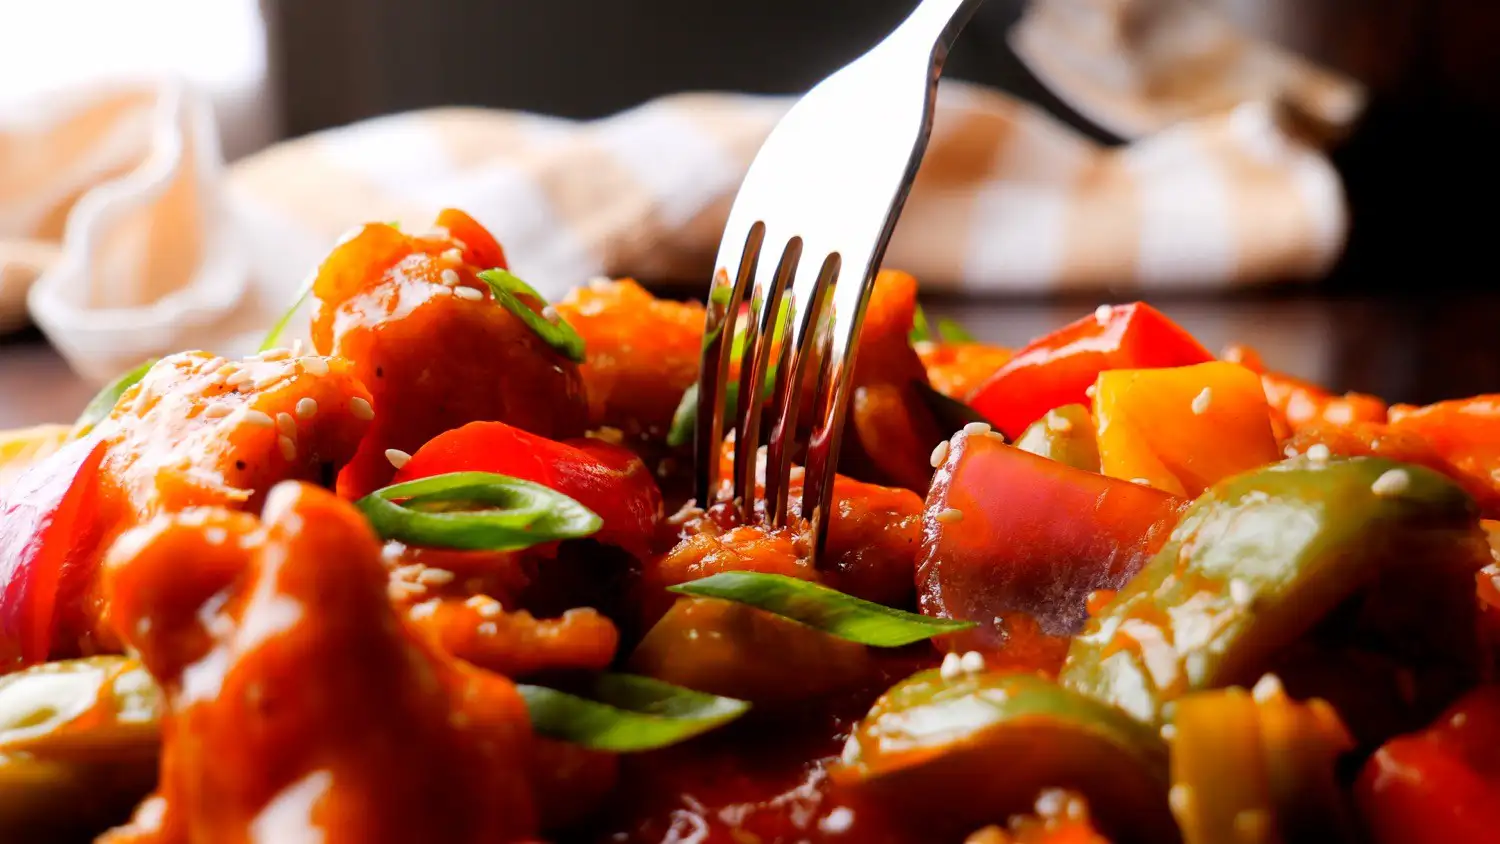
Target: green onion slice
point(921, 331)
point(522, 514)
point(819, 607)
point(559, 335)
point(630, 713)
point(950, 331)
point(685, 417)
point(276, 330)
point(104, 401)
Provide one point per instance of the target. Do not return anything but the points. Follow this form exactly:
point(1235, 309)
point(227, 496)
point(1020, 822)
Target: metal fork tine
point(836, 376)
point(809, 295)
point(765, 304)
point(713, 369)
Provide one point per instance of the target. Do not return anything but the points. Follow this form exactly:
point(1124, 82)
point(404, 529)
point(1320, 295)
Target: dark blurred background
point(1420, 169)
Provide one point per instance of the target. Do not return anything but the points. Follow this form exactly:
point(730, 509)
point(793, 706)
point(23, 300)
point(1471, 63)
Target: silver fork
point(826, 189)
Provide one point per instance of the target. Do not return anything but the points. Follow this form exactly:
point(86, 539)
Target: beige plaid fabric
point(145, 242)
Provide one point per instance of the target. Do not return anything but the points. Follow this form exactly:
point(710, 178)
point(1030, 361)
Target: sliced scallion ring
point(559, 334)
point(629, 713)
point(685, 417)
point(821, 608)
point(522, 513)
point(949, 331)
point(921, 330)
point(105, 400)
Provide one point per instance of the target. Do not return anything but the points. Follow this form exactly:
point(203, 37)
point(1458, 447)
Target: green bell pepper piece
point(1351, 579)
point(97, 709)
point(1066, 435)
point(79, 741)
point(956, 754)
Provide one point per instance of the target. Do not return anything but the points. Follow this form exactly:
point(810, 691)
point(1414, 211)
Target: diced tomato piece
point(44, 515)
point(605, 478)
point(1059, 368)
point(1017, 543)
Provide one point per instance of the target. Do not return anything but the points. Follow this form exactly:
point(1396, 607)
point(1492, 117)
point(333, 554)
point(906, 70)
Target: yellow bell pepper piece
point(1182, 429)
point(21, 447)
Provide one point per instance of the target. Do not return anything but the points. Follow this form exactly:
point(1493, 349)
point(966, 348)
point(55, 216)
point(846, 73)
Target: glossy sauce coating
point(200, 430)
point(434, 348)
point(299, 704)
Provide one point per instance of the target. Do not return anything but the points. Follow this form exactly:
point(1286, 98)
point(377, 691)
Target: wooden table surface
point(1409, 348)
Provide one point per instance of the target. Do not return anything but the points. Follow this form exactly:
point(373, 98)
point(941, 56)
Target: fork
point(826, 189)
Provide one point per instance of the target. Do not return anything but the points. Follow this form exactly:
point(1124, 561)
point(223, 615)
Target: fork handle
point(937, 22)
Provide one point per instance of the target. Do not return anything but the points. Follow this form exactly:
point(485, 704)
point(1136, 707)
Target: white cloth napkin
point(165, 248)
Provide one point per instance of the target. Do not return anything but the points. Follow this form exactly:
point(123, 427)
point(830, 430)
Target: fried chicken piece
point(435, 348)
point(299, 706)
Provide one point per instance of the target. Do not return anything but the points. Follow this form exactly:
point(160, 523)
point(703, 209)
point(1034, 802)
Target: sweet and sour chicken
point(437, 580)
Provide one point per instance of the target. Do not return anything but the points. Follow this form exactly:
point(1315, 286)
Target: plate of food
point(438, 577)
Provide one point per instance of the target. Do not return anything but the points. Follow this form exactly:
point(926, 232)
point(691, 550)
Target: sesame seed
point(259, 418)
point(485, 606)
point(452, 256)
point(838, 821)
point(549, 313)
point(286, 424)
point(972, 662)
point(468, 293)
point(315, 366)
point(1319, 453)
point(400, 590)
point(939, 454)
point(449, 277)
point(288, 447)
point(1168, 732)
point(1202, 401)
point(1058, 424)
point(296, 348)
point(953, 666)
point(215, 535)
point(426, 609)
point(1240, 592)
point(397, 457)
point(227, 370)
point(1392, 483)
point(436, 576)
point(1267, 688)
point(950, 515)
point(1459, 719)
point(1103, 313)
point(361, 409)
point(307, 408)
point(1092, 391)
point(977, 428)
point(1140, 481)
point(217, 411)
point(1180, 798)
point(600, 283)
point(488, 628)
point(275, 354)
point(266, 380)
point(410, 571)
point(238, 377)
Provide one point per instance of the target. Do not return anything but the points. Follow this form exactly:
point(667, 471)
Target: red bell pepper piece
point(1441, 785)
point(1018, 543)
point(1059, 368)
point(610, 480)
point(44, 516)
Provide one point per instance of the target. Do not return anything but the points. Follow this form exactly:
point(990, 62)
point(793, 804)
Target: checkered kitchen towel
point(164, 247)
